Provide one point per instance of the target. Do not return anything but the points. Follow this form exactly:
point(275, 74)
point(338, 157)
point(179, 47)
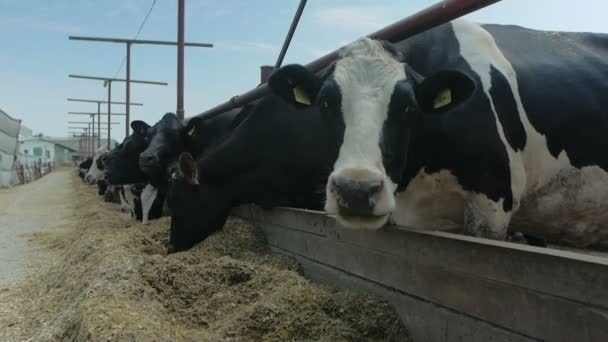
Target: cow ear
point(295, 84)
point(444, 90)
point(188, 168)
point(192, 126)
point(140, 127)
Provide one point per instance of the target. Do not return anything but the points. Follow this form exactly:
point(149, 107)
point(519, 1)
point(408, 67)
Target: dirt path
point(40, 206)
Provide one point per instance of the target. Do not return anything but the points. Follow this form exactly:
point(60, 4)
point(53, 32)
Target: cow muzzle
point(359, 198)
point(148, 162)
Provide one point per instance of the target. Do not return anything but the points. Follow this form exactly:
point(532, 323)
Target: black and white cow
point(273, 156)
point(96, 170)
point(468, 125)
point(151, 152)
point(83, 167)
point(138, 196)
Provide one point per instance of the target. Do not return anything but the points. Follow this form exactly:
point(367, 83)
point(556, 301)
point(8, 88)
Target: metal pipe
point(91, 113)
point(180, 58)
point(128, 87)
point(105, 79)
point(138, 41)
point(93, 121)
point(95, 101)
point(99, 124)
point(88, 122)
point(429, 17)
point(109, 110)
point(292, 30)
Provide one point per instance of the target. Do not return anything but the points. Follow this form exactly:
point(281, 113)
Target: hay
point(109, 280)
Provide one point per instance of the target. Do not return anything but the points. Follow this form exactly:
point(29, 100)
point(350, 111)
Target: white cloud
point(352, 19)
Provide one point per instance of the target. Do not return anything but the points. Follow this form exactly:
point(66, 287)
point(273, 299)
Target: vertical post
point(93, 122)
point(109, 109)
point(90, 139)
point(128, 86)
point(180, 59)
point(87, 142)
point(99, 124)
point(265, 72)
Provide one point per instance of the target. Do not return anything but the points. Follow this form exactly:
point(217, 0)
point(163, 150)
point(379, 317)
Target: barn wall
point(9, 131)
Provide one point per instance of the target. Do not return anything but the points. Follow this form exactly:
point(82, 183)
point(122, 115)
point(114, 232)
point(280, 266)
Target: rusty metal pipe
point(128, 90)
point(440, 13)
point(98, 124)
point(109, 111)
point(180, 59)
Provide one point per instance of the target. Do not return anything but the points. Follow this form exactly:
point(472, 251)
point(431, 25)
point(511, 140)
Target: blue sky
point(36, 55)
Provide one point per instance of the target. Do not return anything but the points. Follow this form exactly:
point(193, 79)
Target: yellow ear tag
point(443, 99)
point(300, 97)
point(191, 131)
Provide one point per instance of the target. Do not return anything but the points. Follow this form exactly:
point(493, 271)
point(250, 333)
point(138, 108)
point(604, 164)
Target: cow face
point(122, 163)
point(374, 102)
point(196, 210)
point(164, 146)
point(96, 171)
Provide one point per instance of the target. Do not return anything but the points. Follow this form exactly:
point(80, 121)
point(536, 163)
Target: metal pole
point(290, 33)
point(93, 122)
point(128, 86)
point(180, 59)
point(99, 124)
point(109, 110)
point(90, 139)
point(434, 15)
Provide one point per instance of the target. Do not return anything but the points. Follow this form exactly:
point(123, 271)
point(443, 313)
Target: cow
point(96, 171)
point(469, 126)
point(273, 156)
point(84, 166)
point(149, 153)
point(121, 169)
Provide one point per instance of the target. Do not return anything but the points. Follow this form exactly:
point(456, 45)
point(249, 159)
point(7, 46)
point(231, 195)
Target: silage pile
point(112, 282)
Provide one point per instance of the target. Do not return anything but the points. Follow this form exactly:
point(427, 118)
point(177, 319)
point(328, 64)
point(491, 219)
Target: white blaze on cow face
point(359, 190)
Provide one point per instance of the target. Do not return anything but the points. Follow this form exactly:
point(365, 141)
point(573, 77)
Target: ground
point(36, 207)
point(81, 270)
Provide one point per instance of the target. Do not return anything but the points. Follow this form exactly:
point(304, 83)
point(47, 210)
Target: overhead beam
point(84, 122)
point(101, 101)
point(137, 41)
point(111, 79)
point(91, 113)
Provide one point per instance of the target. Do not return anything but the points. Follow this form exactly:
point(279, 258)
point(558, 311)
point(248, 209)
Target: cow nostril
point(333, 185)
point(148, 159)
point(375, 187)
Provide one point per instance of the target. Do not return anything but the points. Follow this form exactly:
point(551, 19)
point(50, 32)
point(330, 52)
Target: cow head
point(122, 163)
point(199, 133)
point(96, 171)
point(374, 102)
point(164, 145)
point(197, 210)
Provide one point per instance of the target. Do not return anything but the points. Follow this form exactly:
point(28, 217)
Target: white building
point(46, 149)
